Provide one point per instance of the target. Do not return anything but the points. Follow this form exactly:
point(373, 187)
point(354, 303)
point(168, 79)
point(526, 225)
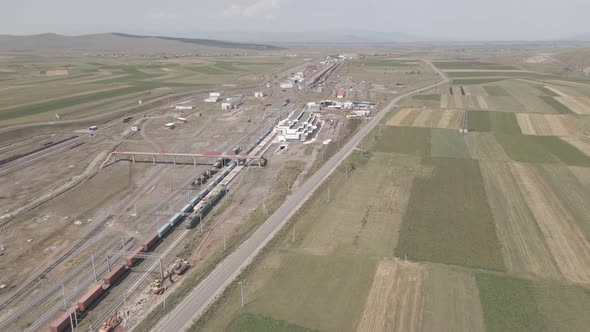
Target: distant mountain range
point(120, 42)
point(315, 37)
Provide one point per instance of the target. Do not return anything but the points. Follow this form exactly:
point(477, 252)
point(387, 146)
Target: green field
point(446, 143)
point(542, 149)
point(476, 81)
point(499, 122)
point(451, 224)
point(427, 97)
point(80, 82)
point(252, 323)
point(325, 278)
point(559, 107)
point(495, 91)
point(472, 65)
point(407, 140)
point(508, 304)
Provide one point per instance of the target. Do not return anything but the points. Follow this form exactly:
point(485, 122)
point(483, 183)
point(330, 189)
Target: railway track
point(79, 290)
point(17, 161)
point(97, 228)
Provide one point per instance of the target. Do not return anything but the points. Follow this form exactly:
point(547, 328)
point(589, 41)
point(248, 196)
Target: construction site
point(102, 219)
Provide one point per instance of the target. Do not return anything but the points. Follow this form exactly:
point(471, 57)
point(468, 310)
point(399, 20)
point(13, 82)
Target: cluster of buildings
point(232, 102)
point(298, 126)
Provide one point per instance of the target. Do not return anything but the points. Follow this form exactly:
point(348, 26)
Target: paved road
point(205, 293)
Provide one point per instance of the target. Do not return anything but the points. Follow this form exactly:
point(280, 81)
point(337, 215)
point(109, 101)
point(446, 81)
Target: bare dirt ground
point(550, 125)
point(451, 301)
point(565, 240)
point(395, 299)
point(523, 244)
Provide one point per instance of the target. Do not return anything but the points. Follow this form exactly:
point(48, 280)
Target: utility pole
point(224, 241)
point(293, 241)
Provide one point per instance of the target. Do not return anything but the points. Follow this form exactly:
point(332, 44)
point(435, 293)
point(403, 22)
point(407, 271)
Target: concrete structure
point(170, 125)
point(298, 126)
point(259, 94)
point(184, 107)
point(314, 107)
point(286, 85)
point(183, 158)
point(213, 97)
point(134, 128)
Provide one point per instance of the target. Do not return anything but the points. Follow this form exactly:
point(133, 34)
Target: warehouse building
point(298, 126)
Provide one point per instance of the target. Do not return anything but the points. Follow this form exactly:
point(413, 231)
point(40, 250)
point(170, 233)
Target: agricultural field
point(425, 228)
point(37, 88)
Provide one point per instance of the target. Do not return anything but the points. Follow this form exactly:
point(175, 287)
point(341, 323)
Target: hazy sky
point(446, 19)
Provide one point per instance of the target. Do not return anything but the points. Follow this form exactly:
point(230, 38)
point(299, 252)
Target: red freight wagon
point(86, 301)
point(149, 243)
point(131, 259)
point(63, 322)
point(114, 275)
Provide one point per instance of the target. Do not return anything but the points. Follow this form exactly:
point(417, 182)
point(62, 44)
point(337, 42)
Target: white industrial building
point(184, 107)
point(232, 102)
point(213, 97)
point(298, 126)
point(286, 85)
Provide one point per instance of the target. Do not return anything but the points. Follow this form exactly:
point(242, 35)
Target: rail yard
point(95, 241)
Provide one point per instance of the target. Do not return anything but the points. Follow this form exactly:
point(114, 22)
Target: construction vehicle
point(111, 323)
point(157, 287)
point(180, 266)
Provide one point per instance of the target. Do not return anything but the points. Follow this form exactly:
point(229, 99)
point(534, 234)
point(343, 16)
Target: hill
point(121, 43)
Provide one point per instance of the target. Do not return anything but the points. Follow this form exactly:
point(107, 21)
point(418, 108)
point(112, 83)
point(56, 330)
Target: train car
point(89, 298)
point(165, 229)
point(187, 208)
point(131, 259)
point(112, 277)
point(175, 219)
point(63, 322)
point(148, 244)
point(194, 219)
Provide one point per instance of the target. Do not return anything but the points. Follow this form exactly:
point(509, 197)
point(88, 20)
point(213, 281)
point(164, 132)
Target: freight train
point(197, 207)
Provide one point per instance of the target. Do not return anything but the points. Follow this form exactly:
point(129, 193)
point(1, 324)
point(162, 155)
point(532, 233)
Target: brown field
point(451, 302)
point(565, 239)
point(485, 146)
point(403, 118)
point(582, 144)
point(459, 100)
point(524, 248)
point(578, 105)
point(444, 101)
point(486, 70)
point(550, 125)
point(476, 90)
point(483, 104)
point(447, 119)
point(57, 72)
point(395, 299)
